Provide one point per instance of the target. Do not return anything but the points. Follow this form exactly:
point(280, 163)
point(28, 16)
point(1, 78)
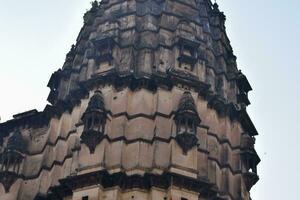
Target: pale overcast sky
point(35, 35)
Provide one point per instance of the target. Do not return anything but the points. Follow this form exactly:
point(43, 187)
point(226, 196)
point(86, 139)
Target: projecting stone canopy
point(187, 119)
point(10, 160)
point(94, 120)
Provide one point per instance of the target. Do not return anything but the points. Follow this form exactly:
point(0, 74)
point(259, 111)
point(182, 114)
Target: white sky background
point(35, 36)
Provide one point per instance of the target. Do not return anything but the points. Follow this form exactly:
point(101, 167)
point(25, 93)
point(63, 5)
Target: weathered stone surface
point(170, 122)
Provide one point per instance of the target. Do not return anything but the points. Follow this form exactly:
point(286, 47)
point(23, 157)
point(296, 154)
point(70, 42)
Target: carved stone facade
point(149, 104)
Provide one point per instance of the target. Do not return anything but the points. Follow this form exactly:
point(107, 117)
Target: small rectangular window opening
point(85, 198)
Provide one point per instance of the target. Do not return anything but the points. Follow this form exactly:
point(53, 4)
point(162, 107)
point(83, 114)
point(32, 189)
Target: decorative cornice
point(39, 119)
point(33, 120)
point(123, 181)
point(247, 123)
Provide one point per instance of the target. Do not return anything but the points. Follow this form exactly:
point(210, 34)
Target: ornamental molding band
point(149, 104)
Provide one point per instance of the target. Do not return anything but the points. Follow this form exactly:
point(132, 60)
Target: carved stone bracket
point(8, 178)
point(250, 179)
point(186, 141)
point(91, 139)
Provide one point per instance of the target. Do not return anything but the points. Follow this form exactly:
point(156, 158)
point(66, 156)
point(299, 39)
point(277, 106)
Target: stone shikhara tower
point(149, 105)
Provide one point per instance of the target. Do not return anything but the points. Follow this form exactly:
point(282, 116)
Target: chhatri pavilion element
point(149, 104)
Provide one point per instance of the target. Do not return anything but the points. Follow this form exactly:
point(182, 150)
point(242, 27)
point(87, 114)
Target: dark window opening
point(85, 198)
point(186, 125)
point(105, 49)
point(191, 126)
point(97, 121)
point(188, 51)
point(89, 123)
